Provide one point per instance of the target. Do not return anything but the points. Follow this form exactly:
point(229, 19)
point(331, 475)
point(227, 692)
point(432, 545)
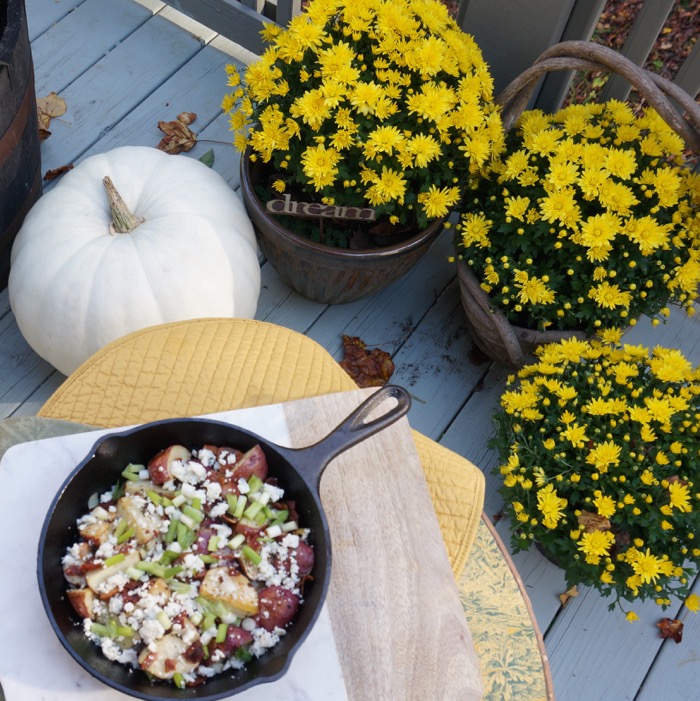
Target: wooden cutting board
point(398, 623)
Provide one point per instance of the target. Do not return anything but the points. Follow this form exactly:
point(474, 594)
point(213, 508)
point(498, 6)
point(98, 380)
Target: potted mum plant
point(600, 457)
point(360, 126)
point(586, 222)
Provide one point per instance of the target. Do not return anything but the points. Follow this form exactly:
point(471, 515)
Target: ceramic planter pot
point(492, 332)
point(325, 273)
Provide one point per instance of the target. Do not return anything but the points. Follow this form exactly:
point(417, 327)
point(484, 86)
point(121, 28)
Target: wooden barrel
point(20, 157)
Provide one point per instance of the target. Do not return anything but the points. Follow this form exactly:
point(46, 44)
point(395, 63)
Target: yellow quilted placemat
point(209, 365)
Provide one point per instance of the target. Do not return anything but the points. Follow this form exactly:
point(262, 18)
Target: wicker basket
point(489, 328)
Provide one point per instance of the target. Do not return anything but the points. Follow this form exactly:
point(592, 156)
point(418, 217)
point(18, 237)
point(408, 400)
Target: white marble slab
point(33, 664)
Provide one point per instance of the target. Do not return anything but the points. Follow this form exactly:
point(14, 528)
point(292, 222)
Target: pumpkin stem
point(123, 220)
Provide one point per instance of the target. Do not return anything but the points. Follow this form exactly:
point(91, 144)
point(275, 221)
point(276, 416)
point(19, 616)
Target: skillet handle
point(354, 429)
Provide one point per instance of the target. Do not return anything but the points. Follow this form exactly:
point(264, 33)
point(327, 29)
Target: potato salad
point(191, 565)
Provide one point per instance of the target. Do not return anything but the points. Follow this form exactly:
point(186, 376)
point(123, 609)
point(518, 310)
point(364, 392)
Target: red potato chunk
point(236, 638)
point(159, 465)
point(251, 463)
point(278, 606)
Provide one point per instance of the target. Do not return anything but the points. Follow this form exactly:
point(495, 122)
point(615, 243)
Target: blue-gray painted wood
point(42, 14)
point(97, 100)
point(69, 48)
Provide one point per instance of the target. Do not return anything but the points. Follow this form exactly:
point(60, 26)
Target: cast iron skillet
point(299, 473)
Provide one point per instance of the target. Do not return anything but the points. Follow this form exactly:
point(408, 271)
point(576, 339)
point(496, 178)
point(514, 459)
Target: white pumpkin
point(76, 285)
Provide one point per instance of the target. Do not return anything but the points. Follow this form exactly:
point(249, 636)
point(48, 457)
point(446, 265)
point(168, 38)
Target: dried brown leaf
point(178, 137)
point(55, 172)
point(568, 595)
point(593, 522)
point(671, 628)
point(368, 368)
point(47, 108)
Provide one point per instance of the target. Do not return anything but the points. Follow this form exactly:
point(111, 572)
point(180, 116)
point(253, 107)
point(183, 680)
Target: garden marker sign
point(316, 209)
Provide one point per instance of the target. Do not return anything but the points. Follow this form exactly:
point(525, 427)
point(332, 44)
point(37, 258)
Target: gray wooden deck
point(121, 66)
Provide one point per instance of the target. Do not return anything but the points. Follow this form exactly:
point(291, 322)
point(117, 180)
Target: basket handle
point(589, 56)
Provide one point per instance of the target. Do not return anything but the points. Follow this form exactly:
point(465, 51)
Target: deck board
point(121, 67)
point(96, 27)
point(132, 70)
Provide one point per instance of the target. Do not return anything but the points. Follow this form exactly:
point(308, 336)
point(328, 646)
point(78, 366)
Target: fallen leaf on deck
point(47, 108)
point(55, 172)
point(178, 137)
point(593, 522)
point(368, 368)
point(567, 595)
point(671, 628)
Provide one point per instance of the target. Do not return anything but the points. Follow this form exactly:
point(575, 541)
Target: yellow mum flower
point(680, 497)
point(550, 505)
point(595, 544)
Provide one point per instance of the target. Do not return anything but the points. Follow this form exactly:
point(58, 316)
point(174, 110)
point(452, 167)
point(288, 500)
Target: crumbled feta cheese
point(213, 491)
point(151, 630)
point(275, 492)
point(218, 509)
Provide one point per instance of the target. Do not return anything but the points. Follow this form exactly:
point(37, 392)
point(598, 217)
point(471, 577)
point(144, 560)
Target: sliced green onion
point(194, 514)
point(208, 621)
point(115, 559)
point(156, 498)
point(197, 503)
point(171, 533)
point(118, 490)
point(262, 498)
point(125, 632)
point(112, 627)
point(289, 526)
point(121, 527)
point(170, 572)
point(279, 518)
point(134, 573)
point(255, 483)
point(185, 536)
point(208, 559)
point(213, 544)
point(163, 619)
point(93, 501)
point(179, 680)
point(131, 472)
point(274, 531)
point(221, 632)
point(179, 500)
point(166, 501)
point(129, 533)
point(151, 568)
point(251, 555)
point(236, 541)
point(260, 518)
point(99, 629)
point(253, 510)
point(244, 654)
point(180, 587)
point(168, 556)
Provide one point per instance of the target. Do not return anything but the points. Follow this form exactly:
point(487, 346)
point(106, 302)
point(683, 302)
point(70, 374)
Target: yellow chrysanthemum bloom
point(595, 544)
point(550, 505)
